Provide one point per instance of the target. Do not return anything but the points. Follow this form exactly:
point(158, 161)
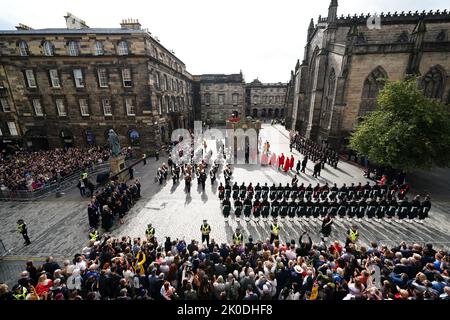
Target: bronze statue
point(114, 143)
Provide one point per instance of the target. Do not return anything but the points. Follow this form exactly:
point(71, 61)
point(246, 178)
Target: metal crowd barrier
point(59, 186)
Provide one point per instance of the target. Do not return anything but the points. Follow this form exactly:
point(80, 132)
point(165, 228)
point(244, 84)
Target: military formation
point(354, 202)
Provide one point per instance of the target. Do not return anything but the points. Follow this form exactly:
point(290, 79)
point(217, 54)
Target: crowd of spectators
point(30, 171)
point(125, 268)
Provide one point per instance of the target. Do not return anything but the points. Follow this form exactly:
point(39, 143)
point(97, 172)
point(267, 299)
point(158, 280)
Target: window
point(207, 99)
point(173, 85)
point(235, 98)
point(38, 107)
point(221, 99)
point(31, 81)
point(99, 48)
point(277, 99)
point(102, 78)
point(48, 48)
point(78, 76)
point(372, 86)
point(433, 83)
point(73, 48)
point(106, 103)
point(130, 106)
point(5, 105)
point(159, 105)
point(54, 78)
point(12, 128)
point(166, 83)
point(126, 77)
point(123, 48)
point(23, 48)
point(84, 107)
point(61, 107)
point(255, 99)
point(157, 80)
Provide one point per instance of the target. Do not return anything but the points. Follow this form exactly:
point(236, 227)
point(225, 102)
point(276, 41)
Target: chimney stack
point(130, 24)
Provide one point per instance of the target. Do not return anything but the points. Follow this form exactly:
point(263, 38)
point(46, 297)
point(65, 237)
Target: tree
point(407, 131)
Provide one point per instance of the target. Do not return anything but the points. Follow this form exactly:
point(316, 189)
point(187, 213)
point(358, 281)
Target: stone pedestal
point(117, 164)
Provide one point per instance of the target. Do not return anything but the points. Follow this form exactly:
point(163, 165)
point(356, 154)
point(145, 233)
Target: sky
point(263, 38)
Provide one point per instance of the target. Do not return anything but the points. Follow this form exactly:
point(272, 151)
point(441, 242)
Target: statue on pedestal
point(114, 143)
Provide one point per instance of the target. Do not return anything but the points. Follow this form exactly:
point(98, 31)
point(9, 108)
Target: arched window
point(48, 48)
point(73, 48)
point(328, 106)
point(372, 86)
point(433, 83)
point(122, 48)
point(167, 104)
point(23, 48)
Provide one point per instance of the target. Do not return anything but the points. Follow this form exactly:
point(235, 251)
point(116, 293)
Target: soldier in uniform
point(235, 191)
point(292, 209)
point(325, 206)
point(226, 208)
point(284, 208)
point(187, 183)
point(392, 209)
point(265, 191)
point(227, 190)
point(342, 208)
point(258, 191)
point(316, 209)
point(424, 209)
point(221, 189)
point(353, 208)
point(275, 209)
point(362, 207)
point(403, 209)
point(205, 229)
point(372, 208)
point(242, 191)
point(250, 191)
point(22, 228)
point(343, 192)
point(265, 211)
point(414, 210)
point(256, 209)
point(309, 209)
point(237, 209)
point(273, 192)
point(382, 209)
point(247, 208)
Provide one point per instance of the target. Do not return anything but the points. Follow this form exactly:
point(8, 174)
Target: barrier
point(65, 184)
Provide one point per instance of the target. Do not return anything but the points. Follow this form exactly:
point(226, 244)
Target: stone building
point(219, 97)
point(265, 100)
point(345, 58)
point(68, 86)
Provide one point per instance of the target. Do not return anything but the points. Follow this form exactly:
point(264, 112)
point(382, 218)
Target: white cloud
point(263, 38)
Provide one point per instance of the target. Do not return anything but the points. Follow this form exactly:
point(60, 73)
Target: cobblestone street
point(59, 226)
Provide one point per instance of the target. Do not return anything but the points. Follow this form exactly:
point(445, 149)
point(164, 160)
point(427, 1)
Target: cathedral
point(346, 59)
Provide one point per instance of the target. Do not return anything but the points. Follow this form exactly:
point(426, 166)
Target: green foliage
point(407, 131)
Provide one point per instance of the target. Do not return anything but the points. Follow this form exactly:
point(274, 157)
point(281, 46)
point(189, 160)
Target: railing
point(65, 184)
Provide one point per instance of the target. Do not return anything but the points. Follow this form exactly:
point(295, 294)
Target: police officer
point(274, 231)
point(22, 228)
point(150, 233)
point(93, 234)
point(19, 292)
point(352, 235)
point(206, 230)
point(238, 239)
